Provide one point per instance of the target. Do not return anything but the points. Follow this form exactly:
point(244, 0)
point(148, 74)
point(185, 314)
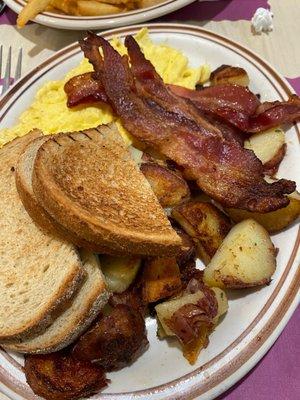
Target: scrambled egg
point(50, 113)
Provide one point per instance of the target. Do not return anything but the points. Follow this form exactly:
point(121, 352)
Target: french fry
point(115, 2)
point(93, 7)
point(149, 3)
point(31, 10)
point(67, 6)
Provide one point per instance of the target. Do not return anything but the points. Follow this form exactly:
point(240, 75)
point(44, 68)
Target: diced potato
point(205, 223)
point(269, 146)
point(166, 310)
point(222, 303)
point(273, 221)
point(246, 258)
point(161, 334)
point(119, 272)
point(169, 188)
point(187, 253)
point(228, 74)
point(192, 350)
point(161, 279)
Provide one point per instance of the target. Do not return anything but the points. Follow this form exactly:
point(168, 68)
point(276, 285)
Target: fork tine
point(19, 65)
point(6, 80)
point(1, 53)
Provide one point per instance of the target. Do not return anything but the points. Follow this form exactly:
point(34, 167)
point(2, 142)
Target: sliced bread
point(76, 318)
point(38, 273)
point(89, 184)
point(39, 215)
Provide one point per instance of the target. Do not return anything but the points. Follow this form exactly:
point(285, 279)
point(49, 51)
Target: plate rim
point(291, 297)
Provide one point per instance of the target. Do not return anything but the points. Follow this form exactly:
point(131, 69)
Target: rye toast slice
point(39, 215)
point(38, 273)
point(79, 314)
point(89, 184)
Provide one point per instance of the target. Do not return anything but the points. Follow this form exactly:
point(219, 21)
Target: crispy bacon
point(83, 89)
point(238, 106)
point(172, 126)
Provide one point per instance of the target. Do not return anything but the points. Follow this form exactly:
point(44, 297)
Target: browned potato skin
point(229, 74)
point(161, 279)
point(59, 376)
point(271, 167)
point(230, 282)
point(169, 187)
point(187, 253)
point(205, 223)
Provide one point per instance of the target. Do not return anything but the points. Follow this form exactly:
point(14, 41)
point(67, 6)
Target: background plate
point(102, 22)
point(255, 317)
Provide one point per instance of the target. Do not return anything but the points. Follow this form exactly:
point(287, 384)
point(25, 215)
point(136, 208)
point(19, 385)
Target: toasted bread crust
point(93, 300)
point(69, 209)
point(38, 214)
point(43, 316)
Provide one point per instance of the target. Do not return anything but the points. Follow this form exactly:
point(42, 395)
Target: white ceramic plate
point(255, 317)
point(61, 21)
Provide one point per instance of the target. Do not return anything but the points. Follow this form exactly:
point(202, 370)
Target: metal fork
point(7, 82)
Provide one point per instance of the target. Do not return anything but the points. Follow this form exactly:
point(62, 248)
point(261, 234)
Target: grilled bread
point(89, 185)
point(81, 311)
point(38, 273)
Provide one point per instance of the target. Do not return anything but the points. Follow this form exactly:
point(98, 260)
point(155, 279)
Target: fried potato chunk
point(205, 223)
point(273, 221)
point(115, 340)
point(170, 188)
point(119, 272)
point(187, 254)
point(246, 258)
point(270, 147)
point(161, 279)
point(191, 318)
point(229, 74)
point(59, 376)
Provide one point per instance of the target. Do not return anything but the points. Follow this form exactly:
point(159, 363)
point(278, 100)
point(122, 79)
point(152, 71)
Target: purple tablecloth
point(276, 376)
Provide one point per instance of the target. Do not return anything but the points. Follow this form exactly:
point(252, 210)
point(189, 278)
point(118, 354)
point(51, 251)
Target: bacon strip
point(171, 125)
point(83, 89)
point(238, 106)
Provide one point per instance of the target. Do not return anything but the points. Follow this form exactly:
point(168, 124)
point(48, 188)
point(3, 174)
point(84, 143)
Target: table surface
point(276, 377)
